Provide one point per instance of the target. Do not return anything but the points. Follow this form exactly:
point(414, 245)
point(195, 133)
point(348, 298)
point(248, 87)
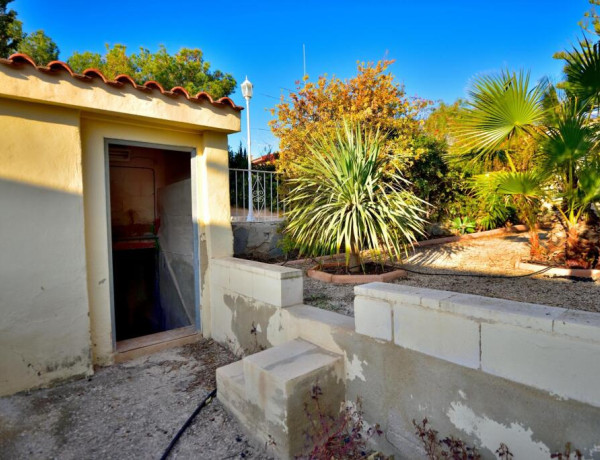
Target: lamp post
point(247, 93)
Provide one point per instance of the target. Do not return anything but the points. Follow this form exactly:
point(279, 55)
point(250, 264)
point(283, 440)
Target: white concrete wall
point(247, 299)
point(548, 348)
point(538, 365)
point(484, 370)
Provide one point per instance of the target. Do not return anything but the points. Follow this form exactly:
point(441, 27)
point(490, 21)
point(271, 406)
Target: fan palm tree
point(351, 198)
point(504, 108)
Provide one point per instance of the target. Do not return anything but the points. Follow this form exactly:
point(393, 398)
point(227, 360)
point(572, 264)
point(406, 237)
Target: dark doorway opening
point(152, 240)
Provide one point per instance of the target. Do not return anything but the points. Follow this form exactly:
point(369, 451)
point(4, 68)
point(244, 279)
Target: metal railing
point(266, 203)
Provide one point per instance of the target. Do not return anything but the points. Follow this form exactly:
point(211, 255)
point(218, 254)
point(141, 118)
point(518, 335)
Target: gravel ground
point(130, 410)
point(489, 256)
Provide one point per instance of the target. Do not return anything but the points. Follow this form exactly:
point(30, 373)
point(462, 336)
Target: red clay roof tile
point(89, 75)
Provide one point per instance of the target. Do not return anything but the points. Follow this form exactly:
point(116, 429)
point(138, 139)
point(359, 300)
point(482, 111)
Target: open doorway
point(152, 240)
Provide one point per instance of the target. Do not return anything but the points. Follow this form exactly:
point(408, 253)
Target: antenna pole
point(304, 57)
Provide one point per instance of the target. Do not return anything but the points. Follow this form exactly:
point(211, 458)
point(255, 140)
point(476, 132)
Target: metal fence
point(266, 203)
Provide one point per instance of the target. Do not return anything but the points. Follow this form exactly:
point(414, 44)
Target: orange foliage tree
point(371, 98)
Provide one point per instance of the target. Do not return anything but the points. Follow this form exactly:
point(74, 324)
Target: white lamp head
point(247, 89)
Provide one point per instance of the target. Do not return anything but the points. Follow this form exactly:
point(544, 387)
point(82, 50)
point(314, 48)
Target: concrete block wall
point(484, 370)
point(548, 348)
point(246, 301)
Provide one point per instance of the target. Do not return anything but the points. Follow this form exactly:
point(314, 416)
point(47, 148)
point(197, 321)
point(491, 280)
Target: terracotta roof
point(92, 75)
point(266, 159)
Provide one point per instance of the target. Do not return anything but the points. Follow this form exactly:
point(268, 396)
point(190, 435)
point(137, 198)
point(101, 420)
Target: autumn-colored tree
point(372, 98)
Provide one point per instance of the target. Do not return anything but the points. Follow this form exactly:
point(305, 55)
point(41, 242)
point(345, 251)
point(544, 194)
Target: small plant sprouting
point(451, 447)
point(344, 436)
point(566, 454)
point(463, 225)
point(503, 452)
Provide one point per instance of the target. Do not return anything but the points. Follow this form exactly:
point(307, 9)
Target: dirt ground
point(445, 266)
point(130, 410)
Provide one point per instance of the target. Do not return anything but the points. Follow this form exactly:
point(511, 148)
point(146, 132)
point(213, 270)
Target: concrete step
point(268, 392)
point(231, 387)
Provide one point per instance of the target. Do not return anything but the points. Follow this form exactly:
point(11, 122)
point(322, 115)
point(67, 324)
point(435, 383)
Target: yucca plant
point(351, 198)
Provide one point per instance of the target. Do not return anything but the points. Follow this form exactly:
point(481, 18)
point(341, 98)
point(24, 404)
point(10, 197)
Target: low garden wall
point(487, 371)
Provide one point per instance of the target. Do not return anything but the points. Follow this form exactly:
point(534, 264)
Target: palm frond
point(571, 139)
point(582, 71)
point(502, 107)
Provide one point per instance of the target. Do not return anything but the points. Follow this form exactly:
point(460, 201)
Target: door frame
point(195, 200)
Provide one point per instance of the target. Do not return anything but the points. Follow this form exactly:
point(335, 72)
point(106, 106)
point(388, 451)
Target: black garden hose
point(473, 275)
point(187, 423)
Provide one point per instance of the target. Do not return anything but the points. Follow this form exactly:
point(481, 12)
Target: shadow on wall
point(44, 325)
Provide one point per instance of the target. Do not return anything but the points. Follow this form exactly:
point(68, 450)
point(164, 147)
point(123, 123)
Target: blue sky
point(438, 45)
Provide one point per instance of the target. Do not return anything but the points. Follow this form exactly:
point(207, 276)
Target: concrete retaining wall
point(484, 370)
point(258, 240)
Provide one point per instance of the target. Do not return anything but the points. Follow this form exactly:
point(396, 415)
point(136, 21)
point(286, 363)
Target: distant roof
point(266, 159)
point(94, 75)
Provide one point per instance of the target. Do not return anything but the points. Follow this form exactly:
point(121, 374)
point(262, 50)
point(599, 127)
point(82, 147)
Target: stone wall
point(488, 371)
point(258, 240)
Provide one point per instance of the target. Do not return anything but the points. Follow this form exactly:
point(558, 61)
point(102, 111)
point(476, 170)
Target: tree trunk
point(354, 263)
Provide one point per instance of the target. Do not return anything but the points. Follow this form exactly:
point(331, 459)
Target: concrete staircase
point(268, 391)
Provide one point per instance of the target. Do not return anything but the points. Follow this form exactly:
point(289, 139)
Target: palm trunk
point(535, 250)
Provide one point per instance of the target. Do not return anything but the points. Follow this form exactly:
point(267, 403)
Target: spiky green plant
point(351, 198)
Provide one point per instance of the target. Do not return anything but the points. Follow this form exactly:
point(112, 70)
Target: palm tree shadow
point(432, 254)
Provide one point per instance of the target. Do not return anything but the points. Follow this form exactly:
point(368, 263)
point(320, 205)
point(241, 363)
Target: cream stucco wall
point(55, 283)
point(210, 211)
point(44, 323)
point(60, 89)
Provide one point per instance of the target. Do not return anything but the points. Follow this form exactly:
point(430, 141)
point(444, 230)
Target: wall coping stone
point(269, 270)
point(573, 323)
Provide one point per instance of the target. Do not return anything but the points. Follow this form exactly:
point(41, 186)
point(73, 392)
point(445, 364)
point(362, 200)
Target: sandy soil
point(447, 264)
point(130, 410)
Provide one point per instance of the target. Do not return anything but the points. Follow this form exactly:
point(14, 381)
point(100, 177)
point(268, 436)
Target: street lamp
point(247, 93)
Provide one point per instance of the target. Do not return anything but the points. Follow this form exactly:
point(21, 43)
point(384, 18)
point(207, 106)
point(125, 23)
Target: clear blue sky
point(438, 45)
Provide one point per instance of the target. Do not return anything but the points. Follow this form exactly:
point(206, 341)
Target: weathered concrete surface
point(269, 392)
point(129, 410)
point(431, 355)
point(258, 240)
point(249, 298)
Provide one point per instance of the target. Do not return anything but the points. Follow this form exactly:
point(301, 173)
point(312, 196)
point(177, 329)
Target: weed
point(345, 436)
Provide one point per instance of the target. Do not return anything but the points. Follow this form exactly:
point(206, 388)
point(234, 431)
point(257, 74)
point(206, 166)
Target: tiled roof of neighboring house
point(92, 75)
point(269, 158)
